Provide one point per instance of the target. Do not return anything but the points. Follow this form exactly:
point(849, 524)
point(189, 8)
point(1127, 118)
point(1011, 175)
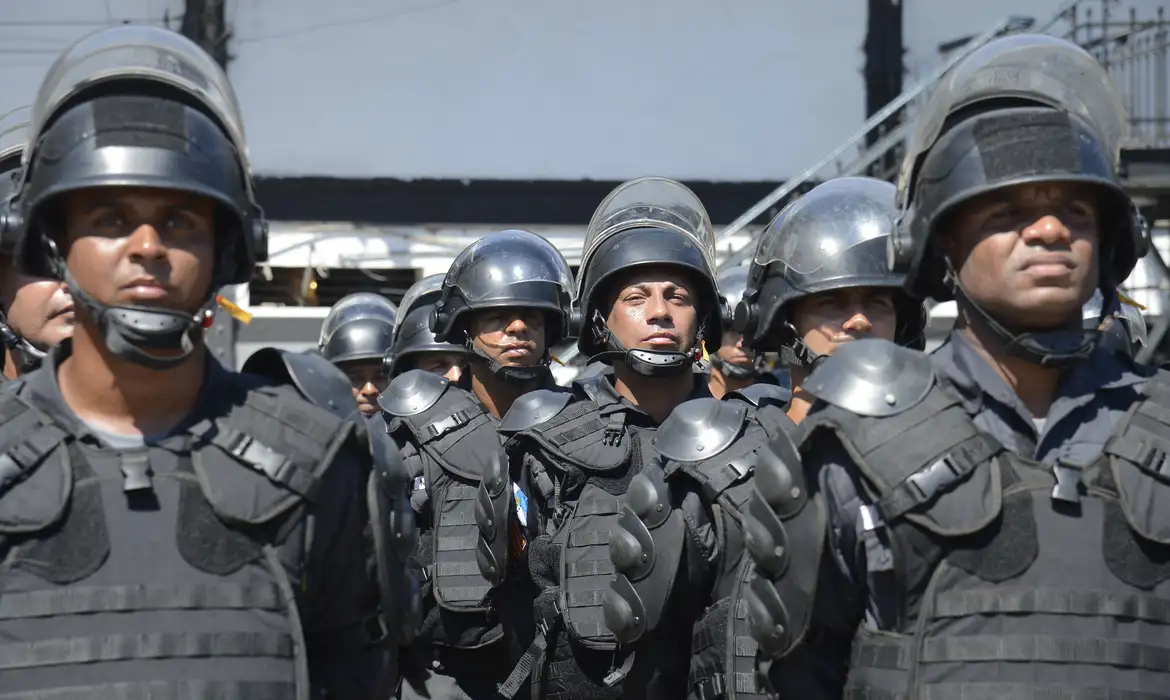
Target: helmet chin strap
point(136, 333)
point(518, 374)
point(733, 371)
point(797, 352)
point(648, 363)
point(28, 356)
point(1057, 348)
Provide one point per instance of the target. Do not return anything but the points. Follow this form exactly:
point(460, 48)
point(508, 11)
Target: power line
point(78, 22)
point(344, 22)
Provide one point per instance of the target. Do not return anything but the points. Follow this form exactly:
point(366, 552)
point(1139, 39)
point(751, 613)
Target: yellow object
point(556, 359)
point(234, 311)
point(1126, 300)
point(706, 357)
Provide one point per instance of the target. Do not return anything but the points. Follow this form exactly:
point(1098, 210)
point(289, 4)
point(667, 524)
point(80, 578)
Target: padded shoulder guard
point(761, 393)
point(697, 429)
point(317, 379)
point(784, 533)
point(874, 378)
point(412, 393)
point(532, 409)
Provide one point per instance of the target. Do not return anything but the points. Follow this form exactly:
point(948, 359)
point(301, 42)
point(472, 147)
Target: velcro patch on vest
point(36, 479)
point(266, 455)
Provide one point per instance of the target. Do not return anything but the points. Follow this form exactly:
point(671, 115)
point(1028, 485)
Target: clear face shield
point(427, 286)
point(355, 307)
point(507, 259)
point(1033, 68)
point(650, 202)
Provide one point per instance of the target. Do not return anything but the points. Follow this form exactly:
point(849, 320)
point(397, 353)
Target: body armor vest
point(592, 454)
point(723, 651)
point(1012, 579)
point(164, 571)
point(455, 437)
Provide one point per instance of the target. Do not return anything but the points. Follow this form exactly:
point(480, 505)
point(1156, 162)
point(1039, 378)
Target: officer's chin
point(367, 409)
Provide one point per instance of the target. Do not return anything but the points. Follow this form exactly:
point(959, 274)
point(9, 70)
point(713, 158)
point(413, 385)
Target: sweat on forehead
point(654, 274)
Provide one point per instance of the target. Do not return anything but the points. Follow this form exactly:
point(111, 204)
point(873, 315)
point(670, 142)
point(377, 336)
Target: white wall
point(547, 89)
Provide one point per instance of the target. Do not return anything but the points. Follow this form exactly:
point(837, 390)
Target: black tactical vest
point(456, 437)
point(167, 571)
point(723, 651)
point(1013, 579)
point(591, 453)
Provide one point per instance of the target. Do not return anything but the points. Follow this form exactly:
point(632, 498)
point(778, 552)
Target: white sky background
point(727, 90)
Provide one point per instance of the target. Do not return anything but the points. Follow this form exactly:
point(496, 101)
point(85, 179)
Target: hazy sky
point(606, 89)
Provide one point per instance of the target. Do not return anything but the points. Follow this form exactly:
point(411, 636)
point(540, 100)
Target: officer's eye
point(1079, 210)
point(1004, 216)
point(180, 221)
point(108, 218)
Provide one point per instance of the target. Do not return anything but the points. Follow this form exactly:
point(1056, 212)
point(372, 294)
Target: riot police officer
point(37, 312)
point(506, 299)
point(814, 282)
point(413, 345)
point(997, 516)
point(819, 279)
point(355, 336)
point(649, 301)
point(734, 366)
point(170, 528)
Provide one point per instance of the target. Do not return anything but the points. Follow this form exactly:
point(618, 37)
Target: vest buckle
point(1068, 481)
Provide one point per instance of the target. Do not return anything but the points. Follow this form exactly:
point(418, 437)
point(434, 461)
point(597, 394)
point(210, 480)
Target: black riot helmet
point(412, 333)
point(506, 270)
point(1022, 109)
point(138, 106)
point(651, 221)
point(732, 285)
point(359, 327)
point(13, 140)
point(832, 238)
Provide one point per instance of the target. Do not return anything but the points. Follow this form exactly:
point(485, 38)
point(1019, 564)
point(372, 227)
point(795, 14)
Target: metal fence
point(1134, 49)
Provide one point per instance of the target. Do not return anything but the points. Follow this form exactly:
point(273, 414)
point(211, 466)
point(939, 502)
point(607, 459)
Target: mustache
point(507, 344)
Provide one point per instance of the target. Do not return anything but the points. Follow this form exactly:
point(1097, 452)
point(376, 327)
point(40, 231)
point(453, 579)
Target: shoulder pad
point(533, 408)
point(412, 393)
point(872, 377)
point(761, 393)
point(699, 429)
point(317, 379)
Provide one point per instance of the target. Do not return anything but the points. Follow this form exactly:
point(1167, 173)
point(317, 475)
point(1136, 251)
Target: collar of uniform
point(975, 379)
point(46, 392)
point(606, 392)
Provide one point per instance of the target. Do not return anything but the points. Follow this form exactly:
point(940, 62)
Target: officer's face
point(445, 364)
point(511, 337)
point(731, 350)
point(136, 246)
point(655, 310)
point(368, 381)
point(39, 309)
point(830, 319)
point(1028, 254)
